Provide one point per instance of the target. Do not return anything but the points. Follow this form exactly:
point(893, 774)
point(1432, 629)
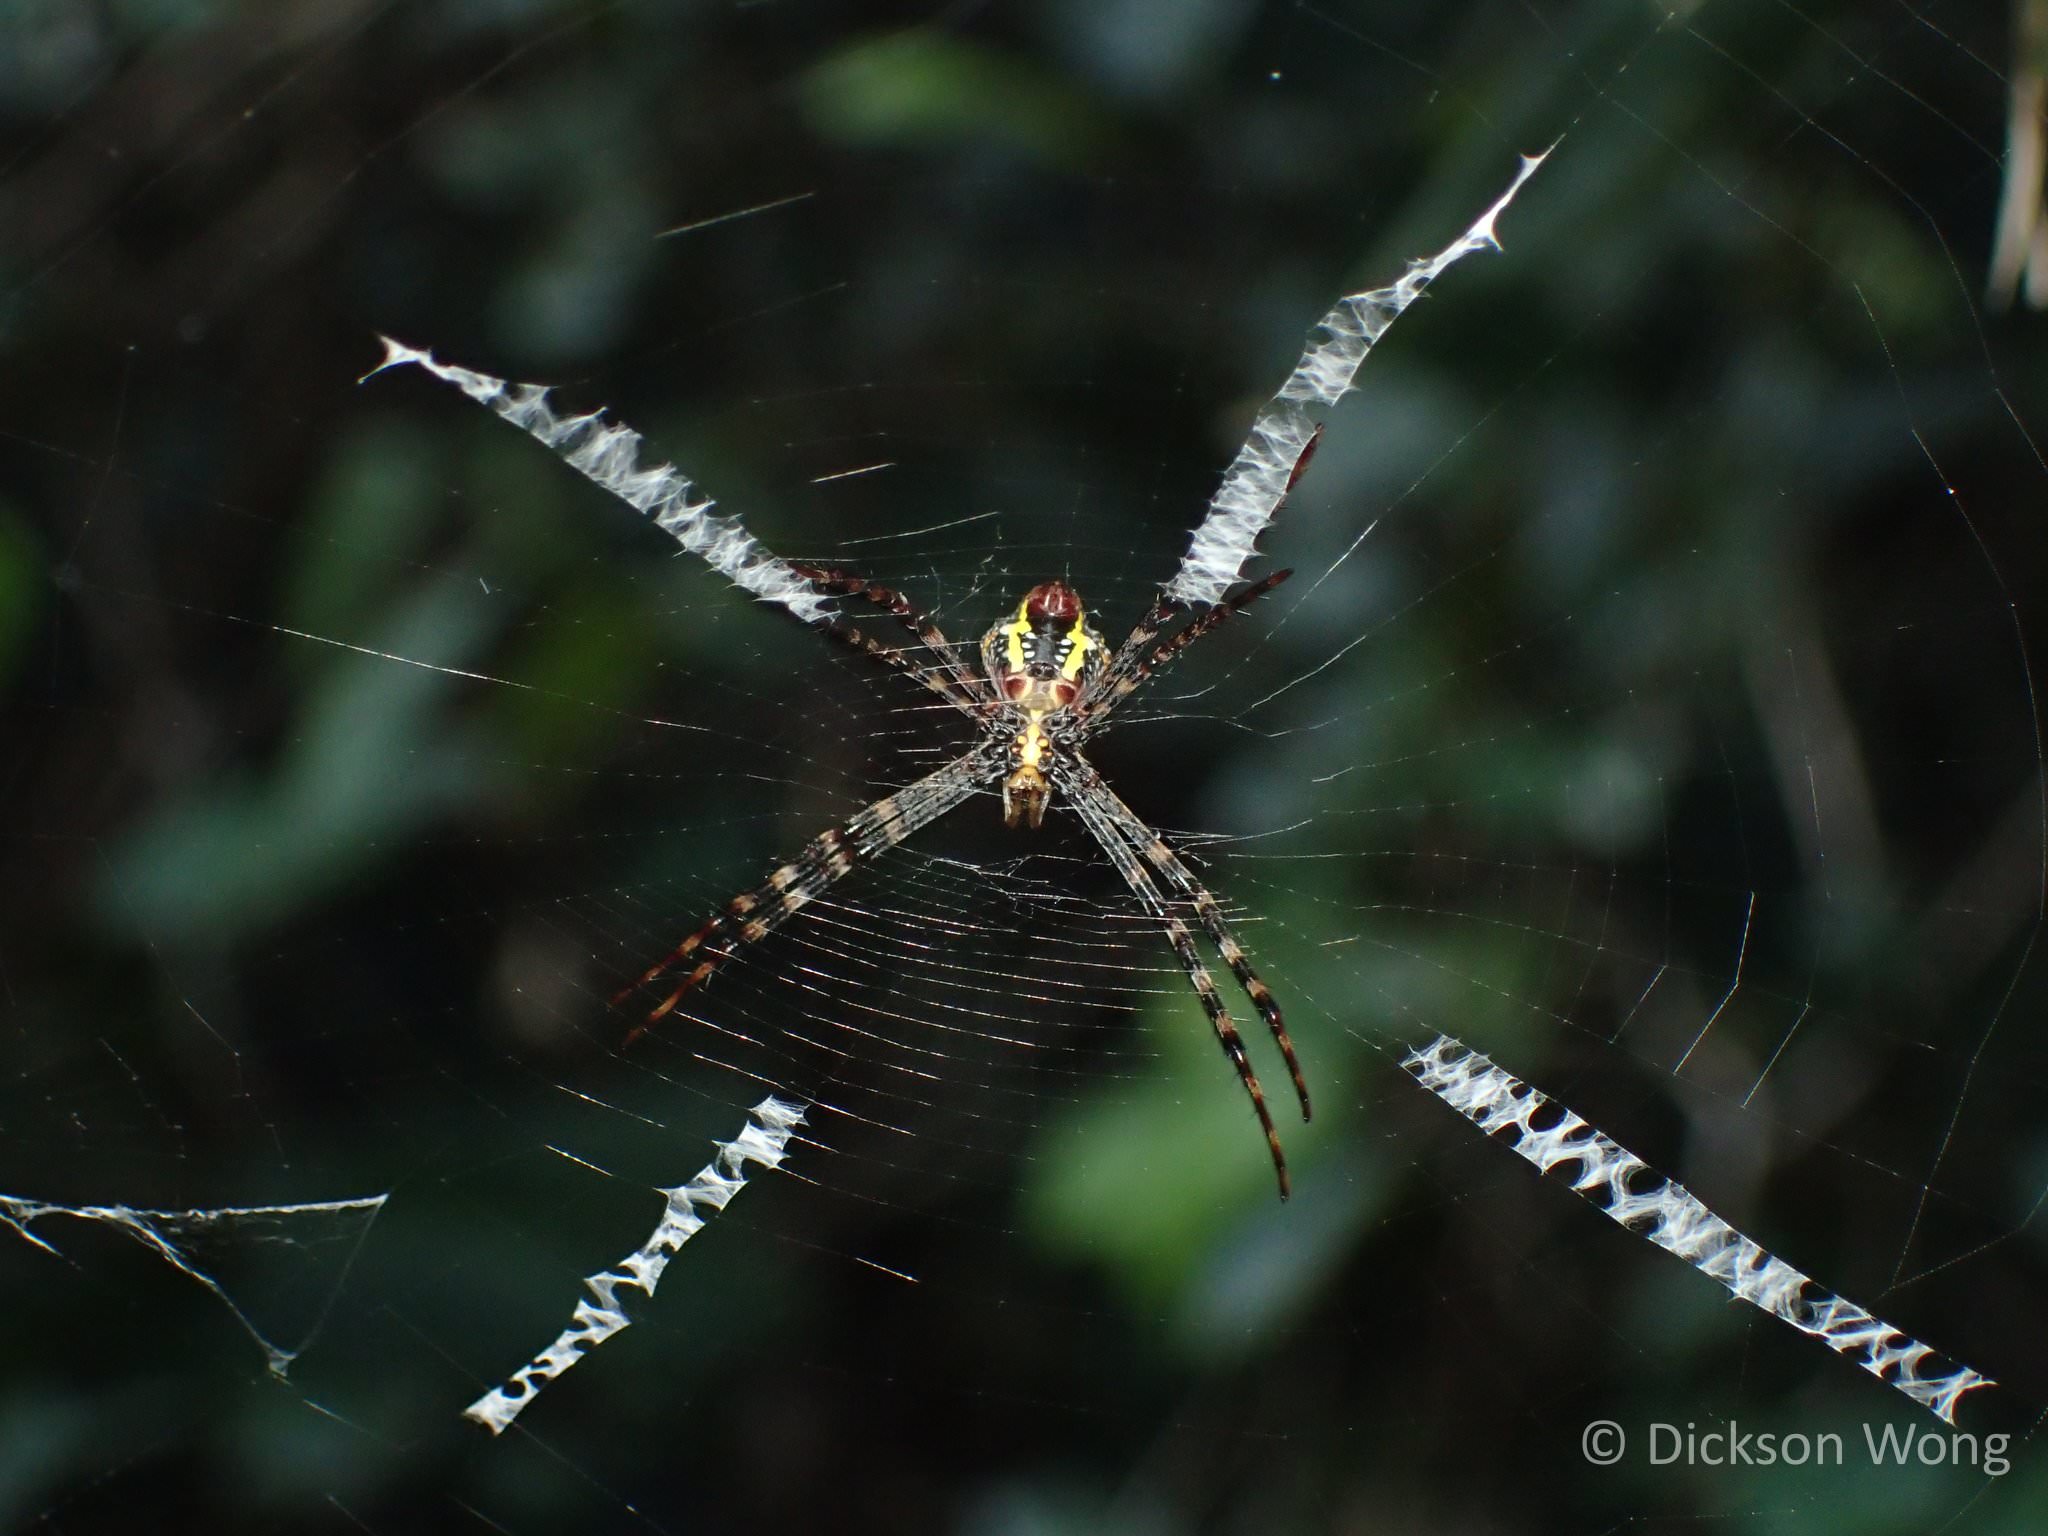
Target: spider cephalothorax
point(1041, 663)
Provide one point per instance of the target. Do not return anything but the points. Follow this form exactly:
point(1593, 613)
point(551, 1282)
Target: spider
point(1048, 682)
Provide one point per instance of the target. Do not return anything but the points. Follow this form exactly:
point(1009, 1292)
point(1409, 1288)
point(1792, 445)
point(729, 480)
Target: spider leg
point(752, 915)
point(868, 645)
point(831, 579)
point(1092, 801)
point(1184, 880)
point(1106, 698)
point(1134, 647)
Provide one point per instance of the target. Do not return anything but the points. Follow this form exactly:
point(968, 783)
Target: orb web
point(1652, 711)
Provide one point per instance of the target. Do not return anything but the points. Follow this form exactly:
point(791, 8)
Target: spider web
point(1652, 710)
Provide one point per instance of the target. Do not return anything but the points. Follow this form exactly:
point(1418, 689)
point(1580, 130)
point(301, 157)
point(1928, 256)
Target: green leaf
point(924, 89)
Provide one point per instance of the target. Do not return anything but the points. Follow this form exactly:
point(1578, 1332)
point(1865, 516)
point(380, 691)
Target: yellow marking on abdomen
point(1031, 745)
point(1016, 630)
point(1078, 643)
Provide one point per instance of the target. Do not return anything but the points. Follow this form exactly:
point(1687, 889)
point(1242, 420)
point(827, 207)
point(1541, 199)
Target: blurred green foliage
point(1661, 621)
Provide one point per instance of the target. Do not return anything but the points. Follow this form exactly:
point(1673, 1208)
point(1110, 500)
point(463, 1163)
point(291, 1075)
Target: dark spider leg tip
point(1301, 1093)
point(667, 1005)
point(1233, 1044)
point(1279, 1153)
point(681, 952)
point(1286, 1045)
point(1294, 1069)
point(619, 997)
point(1308, 451)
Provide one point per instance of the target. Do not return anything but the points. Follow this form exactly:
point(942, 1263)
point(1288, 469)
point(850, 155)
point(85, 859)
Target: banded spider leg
point(962, 682)
point(834, 853)
point(1130, 845)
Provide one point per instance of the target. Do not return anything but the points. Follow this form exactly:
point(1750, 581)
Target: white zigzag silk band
point(1673, 1218)
point(1257, 480)
point(609, 454)
point(764, 1140)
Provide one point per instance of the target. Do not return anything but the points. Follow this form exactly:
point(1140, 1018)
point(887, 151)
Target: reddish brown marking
point(1308, 452)
point(680, 953)
point(652, 1019)
point(1052, 601)
point(1015, 685)
point(667, 1004)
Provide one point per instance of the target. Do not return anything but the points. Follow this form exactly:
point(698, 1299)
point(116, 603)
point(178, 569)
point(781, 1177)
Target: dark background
point(354, 749)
